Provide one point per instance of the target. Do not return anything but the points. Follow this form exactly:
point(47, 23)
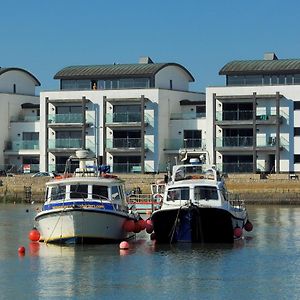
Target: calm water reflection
point(265, 265)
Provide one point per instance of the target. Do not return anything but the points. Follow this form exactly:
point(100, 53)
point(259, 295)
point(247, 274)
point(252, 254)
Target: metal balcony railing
point(241, 141)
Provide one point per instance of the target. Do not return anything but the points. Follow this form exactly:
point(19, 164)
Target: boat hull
point(196, 224)
point(82, 226)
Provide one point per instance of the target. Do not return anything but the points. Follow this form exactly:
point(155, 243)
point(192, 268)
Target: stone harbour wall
point(274, 190)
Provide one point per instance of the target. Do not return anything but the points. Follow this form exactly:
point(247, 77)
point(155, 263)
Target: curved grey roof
point(114, 71)
point(4, 70)
point(256, 67)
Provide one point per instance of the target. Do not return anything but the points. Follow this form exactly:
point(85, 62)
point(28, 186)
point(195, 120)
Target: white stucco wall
point(23, 82)
point(11, 107)
point(178, 76)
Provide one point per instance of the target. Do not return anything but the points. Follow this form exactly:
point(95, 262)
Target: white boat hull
point(76, 225)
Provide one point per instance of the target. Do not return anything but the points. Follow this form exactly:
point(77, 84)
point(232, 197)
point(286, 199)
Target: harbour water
point(264, 265)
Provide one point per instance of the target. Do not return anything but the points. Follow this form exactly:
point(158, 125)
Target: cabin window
point(205, 193)
point(58, 192)
point(116, 193)
point(99, 192)
point(79, 191)
point(179, 194)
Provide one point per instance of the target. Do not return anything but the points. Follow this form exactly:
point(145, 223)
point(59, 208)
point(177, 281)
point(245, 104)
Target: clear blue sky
point(47, 35)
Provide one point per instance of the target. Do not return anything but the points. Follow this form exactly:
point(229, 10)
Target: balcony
point(127, 168)
point(236, 167)
point(176, 144)
point(186, 116)
point(234, 142)
point(124, 145)
point(65, 118)
point(25, 118)
point(246, 116)
point(69, 119)
point(128, 117)
point(22, 145)
point(246, 142)
point(64, 143)
point(234, 115)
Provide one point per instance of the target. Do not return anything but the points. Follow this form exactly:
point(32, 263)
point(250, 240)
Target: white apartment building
point(253, 123)
point(19, 115)
point(134, 117)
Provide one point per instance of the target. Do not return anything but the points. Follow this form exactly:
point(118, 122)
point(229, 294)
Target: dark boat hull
point(193, 224)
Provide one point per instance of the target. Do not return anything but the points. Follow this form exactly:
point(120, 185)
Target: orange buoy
point(34, 235)
point(124, 245)
point(149, 226)
point(21, 250)
point(142, 224)
point(238, 232)
point(137, 227)
point(248, 226)
point(129, 225)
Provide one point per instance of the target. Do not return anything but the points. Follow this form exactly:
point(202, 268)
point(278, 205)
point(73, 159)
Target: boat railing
point(235, 201)
point(136, 198)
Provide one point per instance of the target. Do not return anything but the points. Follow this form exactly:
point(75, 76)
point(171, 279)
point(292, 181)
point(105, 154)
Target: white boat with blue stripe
point(84, 206)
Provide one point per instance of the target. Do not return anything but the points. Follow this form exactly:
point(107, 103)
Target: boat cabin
point(85, 191)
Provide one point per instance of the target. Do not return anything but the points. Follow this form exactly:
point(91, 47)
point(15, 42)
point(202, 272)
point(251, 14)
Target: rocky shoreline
point(252, 189)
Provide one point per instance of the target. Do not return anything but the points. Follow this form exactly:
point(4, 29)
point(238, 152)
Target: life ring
point(157, 196)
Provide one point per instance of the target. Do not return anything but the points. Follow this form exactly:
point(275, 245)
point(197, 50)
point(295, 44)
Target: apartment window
point(297, 131)
point(30, 136)
point(296, 158)
point(192, 138)
point(235, 80)
point(297, 79)
point(69, 109)
point(253, 80)
point(296, 105)
point(201, 110)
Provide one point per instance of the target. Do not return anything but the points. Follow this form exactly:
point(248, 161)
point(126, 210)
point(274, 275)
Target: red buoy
point(124, 245)
point(149, 226)
point(238, 232)
point(21, 250)
point(248, 226)
point(142, 224)
point(137, 227)
point(34, 235)
point(129, 225)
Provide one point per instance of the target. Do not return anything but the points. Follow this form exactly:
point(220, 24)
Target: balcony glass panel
point(123, 117)
point(65, 143)
point(66, 118)
point(242, 167)
point(127, 168)
point(237, 115)
point(23, 145)
point(124, 143)
point(25, 118)
point(241, 141)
